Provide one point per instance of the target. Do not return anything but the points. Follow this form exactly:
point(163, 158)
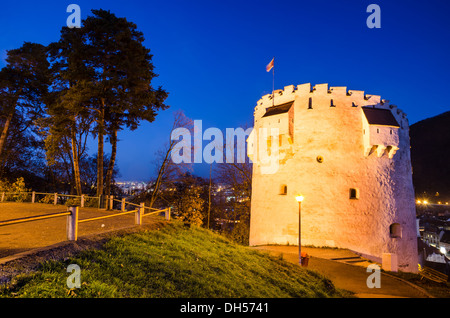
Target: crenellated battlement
point(338, 96)
point(290, 92)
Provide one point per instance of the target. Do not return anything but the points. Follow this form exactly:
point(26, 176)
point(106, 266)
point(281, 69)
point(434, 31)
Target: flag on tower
point(270, 65)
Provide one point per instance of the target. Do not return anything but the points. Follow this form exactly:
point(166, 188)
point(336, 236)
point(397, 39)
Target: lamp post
point(299, 199)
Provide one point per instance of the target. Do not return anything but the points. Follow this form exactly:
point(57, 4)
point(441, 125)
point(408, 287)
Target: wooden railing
point(108, 200)
point(73, 221)
point(433, 274)
point(54, 196)
point(34, 218)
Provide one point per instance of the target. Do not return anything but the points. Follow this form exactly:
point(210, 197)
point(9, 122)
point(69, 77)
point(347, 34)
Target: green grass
point(174, 261)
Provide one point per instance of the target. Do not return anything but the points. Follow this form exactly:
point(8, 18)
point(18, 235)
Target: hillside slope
point(174, 261)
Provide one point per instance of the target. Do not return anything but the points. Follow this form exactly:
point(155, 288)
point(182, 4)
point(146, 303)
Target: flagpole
point(273, 82)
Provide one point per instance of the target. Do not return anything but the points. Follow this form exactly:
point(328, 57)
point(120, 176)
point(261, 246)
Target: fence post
point(123, 205)
point(72, 223)
point(33, 196)
point(82, 201)
point(138, 215)
point(111, 202)
point(55, 199)
point(3, 196)
point(104, 202)
point(167, 214)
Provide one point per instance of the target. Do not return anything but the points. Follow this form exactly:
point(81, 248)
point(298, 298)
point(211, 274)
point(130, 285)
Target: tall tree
point(120, 79)
point(22, 153)
point(105, 75)
point(23, 86)
point(67, 104)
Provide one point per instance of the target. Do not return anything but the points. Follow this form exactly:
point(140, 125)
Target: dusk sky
point(211, 56)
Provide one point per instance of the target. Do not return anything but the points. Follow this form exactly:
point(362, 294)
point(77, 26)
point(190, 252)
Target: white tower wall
point(371, 159)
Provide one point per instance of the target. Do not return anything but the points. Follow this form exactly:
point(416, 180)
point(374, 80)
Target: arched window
point(395, 230)
point(354, 193)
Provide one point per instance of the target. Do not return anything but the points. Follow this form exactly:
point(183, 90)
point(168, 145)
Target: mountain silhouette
point(430, 158)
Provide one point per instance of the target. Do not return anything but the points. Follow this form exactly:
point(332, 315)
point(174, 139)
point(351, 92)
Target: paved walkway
point(348, 271)
point(18, 238)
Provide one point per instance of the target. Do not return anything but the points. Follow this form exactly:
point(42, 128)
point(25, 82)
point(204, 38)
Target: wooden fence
point(73, 212)
point(73, 221)
point(55, 198)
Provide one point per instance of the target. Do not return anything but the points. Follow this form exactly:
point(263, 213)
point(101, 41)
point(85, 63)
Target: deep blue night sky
point(211, 55)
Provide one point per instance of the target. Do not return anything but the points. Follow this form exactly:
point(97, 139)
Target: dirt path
point(22, 237)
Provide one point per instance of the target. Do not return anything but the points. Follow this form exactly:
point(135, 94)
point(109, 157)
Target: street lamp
point(299, 199)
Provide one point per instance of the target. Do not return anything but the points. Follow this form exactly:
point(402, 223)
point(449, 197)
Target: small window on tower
point(395, 230)
point(354, 194)
point(283, 189)
point(310, 103)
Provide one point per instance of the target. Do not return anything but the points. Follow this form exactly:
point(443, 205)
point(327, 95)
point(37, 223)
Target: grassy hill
point(173, 261)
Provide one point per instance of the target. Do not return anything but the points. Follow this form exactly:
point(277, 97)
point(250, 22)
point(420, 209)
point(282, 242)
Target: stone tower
point(348, 154)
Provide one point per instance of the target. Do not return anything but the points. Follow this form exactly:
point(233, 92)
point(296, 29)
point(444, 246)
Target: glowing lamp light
point(299, 198)
point(425, 202)
point(442, 250)
point(419, 202)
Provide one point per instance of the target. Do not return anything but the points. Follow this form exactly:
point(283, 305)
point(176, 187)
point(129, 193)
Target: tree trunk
point(112, 162)
point(5, 131)
point(101, 124)
point(68, 166)
point(76, 161)
point(161, 172)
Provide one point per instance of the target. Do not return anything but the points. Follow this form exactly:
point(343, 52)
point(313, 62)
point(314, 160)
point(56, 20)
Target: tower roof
point(279, 109)
point(379, 116)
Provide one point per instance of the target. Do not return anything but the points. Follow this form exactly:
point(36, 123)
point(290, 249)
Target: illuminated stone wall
point(330, 154)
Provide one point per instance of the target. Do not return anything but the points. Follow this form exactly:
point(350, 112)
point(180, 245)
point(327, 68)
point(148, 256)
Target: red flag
point(270, 65)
